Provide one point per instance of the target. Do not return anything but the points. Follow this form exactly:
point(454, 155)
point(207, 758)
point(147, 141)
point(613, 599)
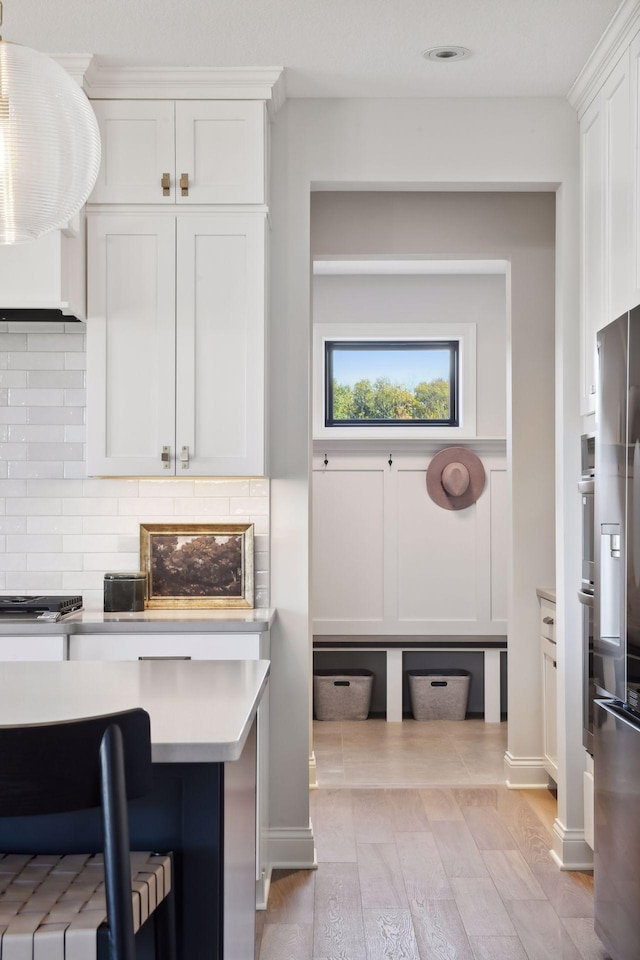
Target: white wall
point(422, 299)
point(418, 144)
point(60, 530)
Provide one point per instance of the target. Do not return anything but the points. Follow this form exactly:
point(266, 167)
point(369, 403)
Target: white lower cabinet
point(549, 687)
point(193, 646)
point(33, 648)
point(176, 344)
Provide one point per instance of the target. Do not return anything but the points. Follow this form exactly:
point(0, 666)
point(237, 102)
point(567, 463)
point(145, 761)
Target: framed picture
point(198, 565)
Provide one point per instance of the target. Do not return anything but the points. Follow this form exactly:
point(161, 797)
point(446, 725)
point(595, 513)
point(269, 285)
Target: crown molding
point(186, 83)
point(623, 26)
point(76, 64)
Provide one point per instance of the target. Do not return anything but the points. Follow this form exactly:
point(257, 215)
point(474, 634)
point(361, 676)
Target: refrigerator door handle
point(610, 581)
point(615, 708)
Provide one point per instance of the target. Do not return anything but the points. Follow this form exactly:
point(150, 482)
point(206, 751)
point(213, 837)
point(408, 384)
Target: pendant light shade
point(49, 145)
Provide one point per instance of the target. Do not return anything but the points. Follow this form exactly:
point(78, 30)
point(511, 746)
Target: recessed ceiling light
point(446, 54)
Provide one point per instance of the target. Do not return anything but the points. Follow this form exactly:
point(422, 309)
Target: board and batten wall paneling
point(348, 545)
point(499, 543)
point(436, 551)
point(388, 561)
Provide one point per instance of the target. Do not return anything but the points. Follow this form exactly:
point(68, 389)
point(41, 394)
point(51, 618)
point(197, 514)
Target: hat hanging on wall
point(455, 478)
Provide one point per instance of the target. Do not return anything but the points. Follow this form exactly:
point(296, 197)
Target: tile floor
point(424, 854)
point(377, 753)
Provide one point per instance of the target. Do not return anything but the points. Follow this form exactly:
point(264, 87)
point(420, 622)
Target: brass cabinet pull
point(165, 456)
point(166, 184)
point(184, 184)
point(548, 620)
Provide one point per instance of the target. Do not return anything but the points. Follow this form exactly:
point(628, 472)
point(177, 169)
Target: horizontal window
point(391, 383)
point(394, 381)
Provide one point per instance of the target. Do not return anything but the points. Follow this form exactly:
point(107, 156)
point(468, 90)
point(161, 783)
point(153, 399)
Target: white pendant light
point(49, 144)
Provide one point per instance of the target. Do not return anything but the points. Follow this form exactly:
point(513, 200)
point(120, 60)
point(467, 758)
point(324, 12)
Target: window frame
point(429, 343)
point(463, 333)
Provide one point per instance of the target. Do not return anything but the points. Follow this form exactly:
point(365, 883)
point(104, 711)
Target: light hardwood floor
point(431, 872)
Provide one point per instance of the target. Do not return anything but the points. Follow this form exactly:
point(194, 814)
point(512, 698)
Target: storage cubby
point(373, 660)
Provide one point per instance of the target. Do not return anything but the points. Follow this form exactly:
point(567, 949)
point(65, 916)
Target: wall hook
point(326, 460)
point(390, 461)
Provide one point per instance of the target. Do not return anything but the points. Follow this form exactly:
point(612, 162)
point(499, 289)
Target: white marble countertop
point(201, 710)
point(148, 621)
point(546, 593)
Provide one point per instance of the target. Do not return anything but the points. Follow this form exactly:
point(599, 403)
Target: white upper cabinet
point(592, 253)
point(610, 206)
point(618, 189)
point(184, 151)
point(175, 345)
point(635, 163)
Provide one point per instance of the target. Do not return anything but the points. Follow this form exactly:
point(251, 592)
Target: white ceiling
point(334, 48)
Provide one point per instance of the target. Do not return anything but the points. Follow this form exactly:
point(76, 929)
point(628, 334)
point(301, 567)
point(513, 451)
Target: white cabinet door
point(592, 310)
point(220, 148)
point(130, 344)
point(33, 648)
point(137, 150)
point(635, 160)
point(220, 402)
point(550, 680)
point(618, 190)
point(549, 687)
point(217, 145)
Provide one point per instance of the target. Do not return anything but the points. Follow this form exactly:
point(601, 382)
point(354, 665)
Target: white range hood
point(49, 273)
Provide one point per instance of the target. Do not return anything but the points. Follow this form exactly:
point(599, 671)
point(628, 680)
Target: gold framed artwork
point(197, 565)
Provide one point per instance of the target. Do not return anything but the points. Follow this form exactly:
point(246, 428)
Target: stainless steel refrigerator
point(617, 639)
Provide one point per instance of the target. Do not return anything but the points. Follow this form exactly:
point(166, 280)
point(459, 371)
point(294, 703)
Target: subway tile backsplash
point(61, 530)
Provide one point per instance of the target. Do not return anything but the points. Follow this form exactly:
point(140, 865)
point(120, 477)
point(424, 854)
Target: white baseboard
point(570, 849)
point(262, 890)
point(313, 772)
point(525, 773)
point(291, 848)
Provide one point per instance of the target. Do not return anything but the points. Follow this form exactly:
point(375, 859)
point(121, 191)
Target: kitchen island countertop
point(201, 711)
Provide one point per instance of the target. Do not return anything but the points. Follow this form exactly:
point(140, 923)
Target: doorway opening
point(398, 583)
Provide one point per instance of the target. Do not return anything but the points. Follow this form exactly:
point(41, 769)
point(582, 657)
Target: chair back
point(55, 767)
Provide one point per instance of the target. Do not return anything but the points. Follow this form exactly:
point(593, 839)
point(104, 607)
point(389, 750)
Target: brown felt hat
point(455, 478)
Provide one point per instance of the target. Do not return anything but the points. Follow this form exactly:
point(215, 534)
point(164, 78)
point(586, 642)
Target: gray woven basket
point(439, 694)
point(342, 694)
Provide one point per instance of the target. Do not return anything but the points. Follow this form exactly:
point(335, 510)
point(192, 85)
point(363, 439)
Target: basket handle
point(439, 683)
point(342, 683)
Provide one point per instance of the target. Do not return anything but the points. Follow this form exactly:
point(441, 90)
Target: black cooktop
point(36, 604)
